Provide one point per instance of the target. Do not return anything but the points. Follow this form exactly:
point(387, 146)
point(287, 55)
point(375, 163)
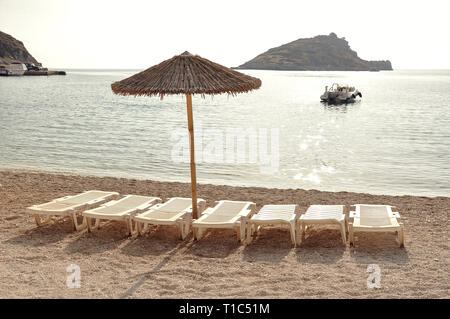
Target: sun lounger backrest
point(226, 208)
point(277, 211)
point(132, 201)
point(374, 215)
point(126, 203)
point(176, 205)
point(324, 212)
point(85, 197)
point(55, 206)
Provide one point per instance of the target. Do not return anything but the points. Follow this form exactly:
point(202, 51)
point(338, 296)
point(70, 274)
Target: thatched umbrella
point(187, 74)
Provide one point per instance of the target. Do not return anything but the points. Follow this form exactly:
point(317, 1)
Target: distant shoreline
point(140, 69)
point(65, 173)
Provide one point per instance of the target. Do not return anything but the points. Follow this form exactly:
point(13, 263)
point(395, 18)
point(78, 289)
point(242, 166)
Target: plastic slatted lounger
point(375, 218)
point(226, 214)
point(176, 211)
point(283, 215)
point(121, 209)
point(323, 214)
point(70, 206)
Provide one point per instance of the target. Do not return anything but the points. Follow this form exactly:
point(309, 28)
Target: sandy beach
point(33, 260)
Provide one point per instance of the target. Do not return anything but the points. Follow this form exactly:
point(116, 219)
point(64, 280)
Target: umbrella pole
point(191, 143)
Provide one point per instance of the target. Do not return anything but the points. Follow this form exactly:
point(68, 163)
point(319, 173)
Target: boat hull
point(340, 96)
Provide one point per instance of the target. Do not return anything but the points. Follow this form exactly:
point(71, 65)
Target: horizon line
point(400, 69)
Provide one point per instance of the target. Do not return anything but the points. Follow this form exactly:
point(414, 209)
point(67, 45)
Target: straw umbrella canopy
point(187, 74)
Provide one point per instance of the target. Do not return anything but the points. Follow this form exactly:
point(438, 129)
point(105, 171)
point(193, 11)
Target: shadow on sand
point(44, 235)
point(321, 247)
point(270, 245)
point(215, 244)
point(378, 248)
point(179, 246)
point(156, 242)
point(109, 236)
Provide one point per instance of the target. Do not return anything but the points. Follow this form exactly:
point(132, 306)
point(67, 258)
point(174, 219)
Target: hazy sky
point(137, 34)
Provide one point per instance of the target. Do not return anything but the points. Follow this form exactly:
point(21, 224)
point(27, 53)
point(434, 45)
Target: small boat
point(340, 93)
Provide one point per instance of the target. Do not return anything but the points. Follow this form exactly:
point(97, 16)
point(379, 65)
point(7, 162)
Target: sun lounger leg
point(76, 225)
point(143, 227)
point(184, 230)
point(183, 227)
point(350, 231)
point(249, 233)
point(195, 231)
point(242, 231)
point(186, 226)
point(88, 221)
point(128, 222)
point(139, 228)
point(299, 233)
point(179, 225)
point(37, 218)
point(132, 230)
point(401, 238)
point(182, 234)
point(199, 233)
point(292, 228)
point(238, 233)
point(303, 232)
point(344, 239)
point(346, 224)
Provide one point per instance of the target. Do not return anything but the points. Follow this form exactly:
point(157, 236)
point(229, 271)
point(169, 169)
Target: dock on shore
point(42, 72)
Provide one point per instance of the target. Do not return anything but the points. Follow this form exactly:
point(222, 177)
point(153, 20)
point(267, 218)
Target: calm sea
point(396, 140)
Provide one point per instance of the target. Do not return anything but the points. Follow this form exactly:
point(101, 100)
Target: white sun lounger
point(226, 214)
point(323, 214)
point(375, 218)
point(121, 209)
point(176, 211)
point(283, 215)
point(70, 206)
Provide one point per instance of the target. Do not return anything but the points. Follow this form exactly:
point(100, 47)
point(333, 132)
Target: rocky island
point(16, 60)
point(321, 53)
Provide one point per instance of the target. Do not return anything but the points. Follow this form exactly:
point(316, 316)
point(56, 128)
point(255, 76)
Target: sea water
point(395, 140)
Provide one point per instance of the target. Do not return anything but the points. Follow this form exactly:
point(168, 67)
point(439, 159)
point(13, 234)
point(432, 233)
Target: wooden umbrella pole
point(191, 143)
